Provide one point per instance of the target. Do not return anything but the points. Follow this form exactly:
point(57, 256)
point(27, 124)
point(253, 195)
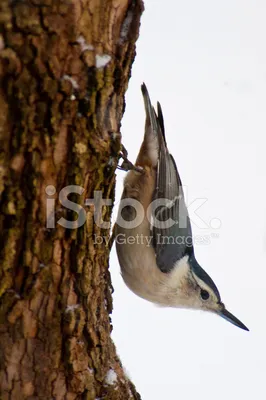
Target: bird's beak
point(231, 318)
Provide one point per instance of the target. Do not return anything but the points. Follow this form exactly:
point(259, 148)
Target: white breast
point(140, 271)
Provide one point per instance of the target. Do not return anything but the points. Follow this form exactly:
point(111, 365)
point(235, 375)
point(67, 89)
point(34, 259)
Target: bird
point(153, 233)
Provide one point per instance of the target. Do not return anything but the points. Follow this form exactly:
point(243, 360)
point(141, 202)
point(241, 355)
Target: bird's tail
point(154, 136)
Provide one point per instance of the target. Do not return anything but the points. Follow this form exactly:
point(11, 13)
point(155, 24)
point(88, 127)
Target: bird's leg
point(126, 164)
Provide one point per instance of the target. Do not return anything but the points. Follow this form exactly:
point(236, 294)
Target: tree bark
point(64, 69)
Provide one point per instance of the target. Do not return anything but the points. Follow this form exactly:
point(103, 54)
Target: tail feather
point(161, 120)
point(154, 136)
point(150, 113)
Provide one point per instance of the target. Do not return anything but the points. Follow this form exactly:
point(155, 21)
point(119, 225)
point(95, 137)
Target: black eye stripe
point(204, 294)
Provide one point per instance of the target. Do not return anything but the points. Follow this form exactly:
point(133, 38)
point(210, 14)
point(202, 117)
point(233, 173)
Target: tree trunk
point(64, 68)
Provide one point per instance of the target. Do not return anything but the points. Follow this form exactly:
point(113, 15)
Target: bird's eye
point(204, 294)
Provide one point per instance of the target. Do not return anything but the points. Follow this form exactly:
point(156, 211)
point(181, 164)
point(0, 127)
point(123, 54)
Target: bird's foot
point(126, 164)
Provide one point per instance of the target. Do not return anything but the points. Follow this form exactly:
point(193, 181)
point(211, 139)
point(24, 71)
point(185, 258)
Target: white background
point(205, 61)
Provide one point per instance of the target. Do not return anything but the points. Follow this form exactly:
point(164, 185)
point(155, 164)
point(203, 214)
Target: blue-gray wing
point(171, 230)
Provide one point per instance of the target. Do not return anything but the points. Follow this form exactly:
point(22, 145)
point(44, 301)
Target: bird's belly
point(142, 275)
point(137, 262)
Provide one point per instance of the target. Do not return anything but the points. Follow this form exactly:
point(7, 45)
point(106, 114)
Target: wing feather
point(170, 228)
point(172, 234)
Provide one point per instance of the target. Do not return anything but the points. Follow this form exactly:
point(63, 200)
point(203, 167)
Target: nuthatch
point(153, 230)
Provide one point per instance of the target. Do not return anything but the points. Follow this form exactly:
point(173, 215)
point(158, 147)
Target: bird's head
point(198, 291)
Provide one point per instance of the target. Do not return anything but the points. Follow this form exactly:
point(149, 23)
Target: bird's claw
point(126, 164)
